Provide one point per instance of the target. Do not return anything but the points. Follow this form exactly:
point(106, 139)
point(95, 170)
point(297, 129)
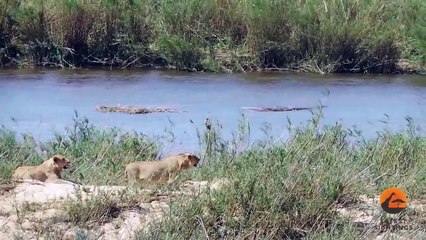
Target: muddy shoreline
point(402, 66)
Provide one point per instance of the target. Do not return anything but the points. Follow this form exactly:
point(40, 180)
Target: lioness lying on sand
point(164, 170)
point(50, 170)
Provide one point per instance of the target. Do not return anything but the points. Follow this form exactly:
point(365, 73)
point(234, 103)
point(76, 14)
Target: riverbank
point(221, 36)
point(311, 185)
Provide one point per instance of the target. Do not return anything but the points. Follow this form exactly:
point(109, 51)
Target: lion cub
point(48, 170)
point(164, 170)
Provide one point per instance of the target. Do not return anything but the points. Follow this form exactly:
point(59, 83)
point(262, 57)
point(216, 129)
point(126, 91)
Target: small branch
point(200, 221)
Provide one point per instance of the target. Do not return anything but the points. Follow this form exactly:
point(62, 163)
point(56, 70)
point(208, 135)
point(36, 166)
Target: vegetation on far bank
point(276, 189)
point(377, 36)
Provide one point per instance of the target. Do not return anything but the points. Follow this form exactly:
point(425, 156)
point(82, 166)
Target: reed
point(234, 35)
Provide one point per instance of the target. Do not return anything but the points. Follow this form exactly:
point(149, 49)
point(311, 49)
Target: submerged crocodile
point(133, 109)
point(278, 109)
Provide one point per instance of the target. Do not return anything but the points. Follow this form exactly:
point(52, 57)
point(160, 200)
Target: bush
point(314, 35)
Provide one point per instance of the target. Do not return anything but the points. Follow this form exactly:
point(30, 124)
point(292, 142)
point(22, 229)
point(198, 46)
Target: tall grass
point(274, 190)
point(218, 35)
point(97, 156)
point(290, 190)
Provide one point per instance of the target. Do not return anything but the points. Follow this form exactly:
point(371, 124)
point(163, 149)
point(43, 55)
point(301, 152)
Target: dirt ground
point(35, 210)
point(32, 209)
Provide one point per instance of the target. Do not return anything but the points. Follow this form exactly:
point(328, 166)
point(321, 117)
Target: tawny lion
point(162, 171)
point(49, 170)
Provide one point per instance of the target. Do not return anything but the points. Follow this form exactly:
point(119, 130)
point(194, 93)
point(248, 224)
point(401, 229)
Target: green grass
point(217, 35)
point(290, 190)
point(97, 156)
point(275, 189)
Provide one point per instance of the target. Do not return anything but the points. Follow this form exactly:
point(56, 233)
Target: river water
point(42, 102)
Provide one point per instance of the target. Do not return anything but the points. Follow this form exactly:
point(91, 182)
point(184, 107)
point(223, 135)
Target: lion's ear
point(56, 159)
